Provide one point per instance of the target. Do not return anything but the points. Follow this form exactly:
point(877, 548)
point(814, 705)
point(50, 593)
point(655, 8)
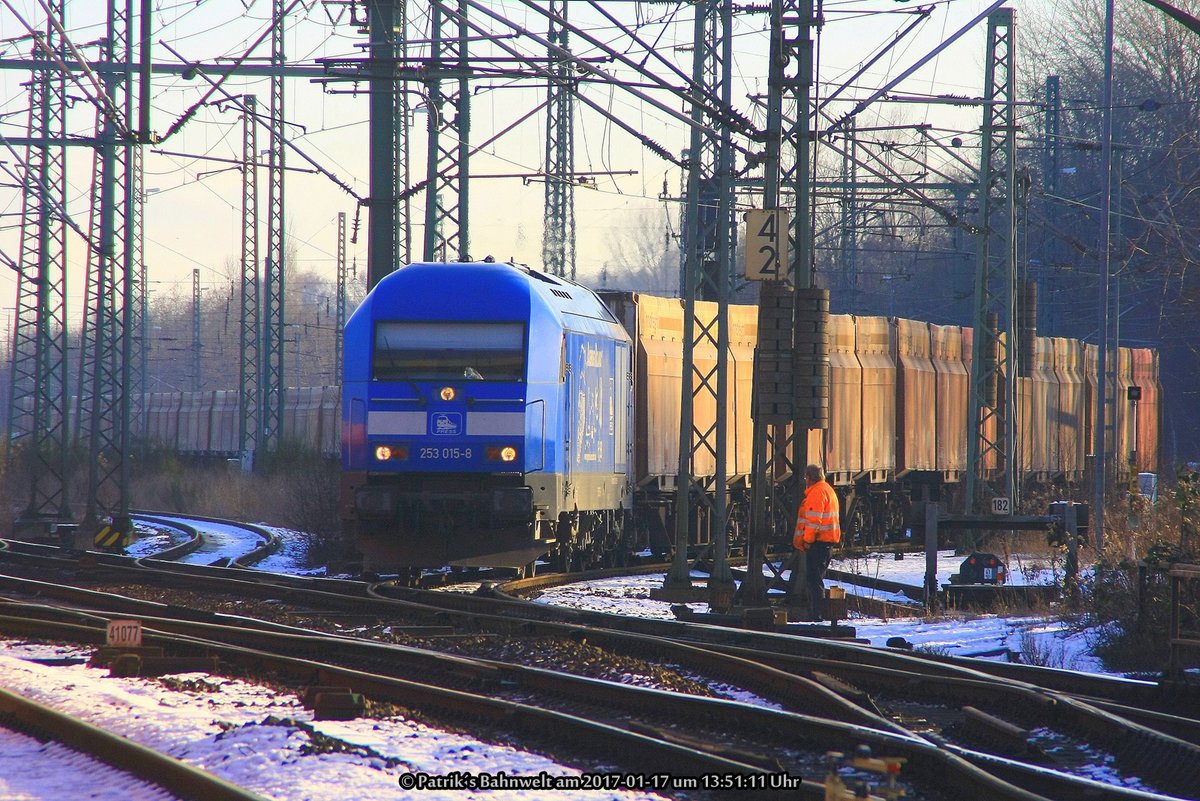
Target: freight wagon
point(585, 392)
point(898, 419)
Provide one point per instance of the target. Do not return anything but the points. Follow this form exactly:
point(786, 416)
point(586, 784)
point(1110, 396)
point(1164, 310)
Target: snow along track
point(32, 770)
point(177, 778)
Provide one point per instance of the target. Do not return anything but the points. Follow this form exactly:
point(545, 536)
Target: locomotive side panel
point(595, 406)
point(916, 396)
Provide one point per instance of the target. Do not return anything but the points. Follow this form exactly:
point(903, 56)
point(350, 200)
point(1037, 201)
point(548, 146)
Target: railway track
point(834, 681)
point(212, 540)
point(636, 728)
point(154, 775)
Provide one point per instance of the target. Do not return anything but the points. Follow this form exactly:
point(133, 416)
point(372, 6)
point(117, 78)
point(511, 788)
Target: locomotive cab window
point(448, 351)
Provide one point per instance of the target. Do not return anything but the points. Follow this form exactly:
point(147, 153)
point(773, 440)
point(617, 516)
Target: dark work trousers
point(817, 563)
point(795, 585)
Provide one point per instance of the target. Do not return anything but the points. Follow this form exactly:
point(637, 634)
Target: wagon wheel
point(737, 525)
point(860, 522)
point(783, 515)
point(895, 510)
point(565, 552)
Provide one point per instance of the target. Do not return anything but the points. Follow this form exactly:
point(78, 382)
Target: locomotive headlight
point(505, 453)
point(447, 393)
point(391, 453)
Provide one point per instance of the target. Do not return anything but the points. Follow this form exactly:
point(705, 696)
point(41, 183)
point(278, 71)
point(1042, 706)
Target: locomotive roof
point(430, 285)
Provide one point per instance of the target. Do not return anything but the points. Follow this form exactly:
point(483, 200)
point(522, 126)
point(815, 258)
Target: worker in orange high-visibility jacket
point(818, 529)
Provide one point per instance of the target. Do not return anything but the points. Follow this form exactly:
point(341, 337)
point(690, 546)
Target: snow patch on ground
point(292, 554)
point(258, 738)
point(1050, 641)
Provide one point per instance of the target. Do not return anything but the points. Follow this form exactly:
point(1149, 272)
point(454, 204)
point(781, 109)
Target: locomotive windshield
point(446, 351)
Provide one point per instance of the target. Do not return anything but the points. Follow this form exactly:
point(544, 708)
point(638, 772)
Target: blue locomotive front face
point(455, 416)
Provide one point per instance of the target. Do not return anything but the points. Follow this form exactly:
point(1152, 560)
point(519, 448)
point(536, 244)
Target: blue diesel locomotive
point(485, 419)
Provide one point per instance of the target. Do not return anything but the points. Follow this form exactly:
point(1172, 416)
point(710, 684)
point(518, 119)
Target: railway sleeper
point(133, 665)
point(1173, 764)
point(1010, 738)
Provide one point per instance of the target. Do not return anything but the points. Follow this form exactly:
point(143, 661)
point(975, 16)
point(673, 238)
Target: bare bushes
point(1127, 595)
point(292, 488)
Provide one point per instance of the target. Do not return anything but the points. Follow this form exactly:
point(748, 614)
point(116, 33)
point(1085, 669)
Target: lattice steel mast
point(383, 246)
point(558, 232)
point(849, 236)
point(39, 344)
point(447, 192)
point(792, 337)
point(708, 253)
point(250, 335)
point(400, 145)
point(991, 410)
point(196, 342)
point(272, 387)
point(111, 280)
point(1051, 165)
point(339, 323)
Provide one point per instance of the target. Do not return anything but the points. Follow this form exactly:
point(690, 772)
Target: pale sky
point(192, 217)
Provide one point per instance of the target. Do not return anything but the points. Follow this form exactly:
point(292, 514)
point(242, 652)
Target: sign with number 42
point(767, 256)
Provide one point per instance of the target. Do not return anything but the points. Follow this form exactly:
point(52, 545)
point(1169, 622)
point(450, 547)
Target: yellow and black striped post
point(112, 536)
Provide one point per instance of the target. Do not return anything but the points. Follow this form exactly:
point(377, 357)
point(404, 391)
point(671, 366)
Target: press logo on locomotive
point(447, 423)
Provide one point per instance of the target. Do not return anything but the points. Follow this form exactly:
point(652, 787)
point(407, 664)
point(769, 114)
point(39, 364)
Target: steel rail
point(961, 689)
point(931, 763)
point(344, 593)
point(194, 538)
point(905, 667)
point(173, 775)
point(270, 540)
point(1134, 692)
point(633, 749)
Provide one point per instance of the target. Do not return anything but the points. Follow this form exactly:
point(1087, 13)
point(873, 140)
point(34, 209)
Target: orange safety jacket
point(818, 519)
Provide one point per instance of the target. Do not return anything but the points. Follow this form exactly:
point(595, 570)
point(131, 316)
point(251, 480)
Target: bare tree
point(1156, 131)
point(644, 255)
